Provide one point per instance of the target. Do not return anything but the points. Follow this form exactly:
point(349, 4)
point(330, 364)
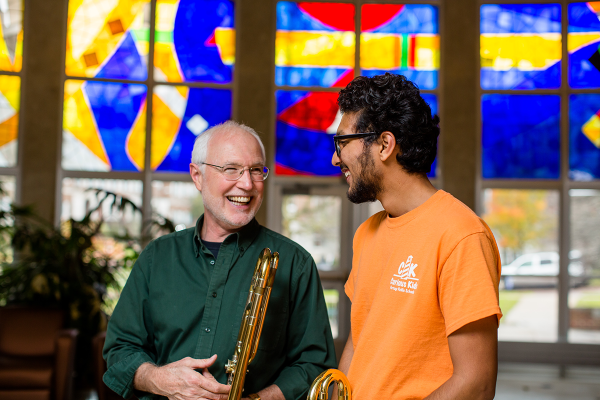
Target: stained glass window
point(314, 44)
point(584, 137)
point(520, 136)
point(402, 39)
point(11, 37)
point(104, 126)
point(306, 123)
point(108, 39)
point(195, 41)
point(10, 98)
point(584, 41)
point(179, 115)
point(520, 46)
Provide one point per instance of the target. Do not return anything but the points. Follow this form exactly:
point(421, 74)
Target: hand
point(179, 381)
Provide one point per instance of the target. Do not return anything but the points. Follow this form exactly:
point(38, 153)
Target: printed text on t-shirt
point(406, 279)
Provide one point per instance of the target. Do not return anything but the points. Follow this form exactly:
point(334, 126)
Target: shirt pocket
point(274, 324)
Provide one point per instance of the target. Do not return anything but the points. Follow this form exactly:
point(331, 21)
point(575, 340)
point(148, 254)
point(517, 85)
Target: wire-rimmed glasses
point(233, 172)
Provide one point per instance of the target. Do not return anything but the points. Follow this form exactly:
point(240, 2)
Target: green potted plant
point(42, 265)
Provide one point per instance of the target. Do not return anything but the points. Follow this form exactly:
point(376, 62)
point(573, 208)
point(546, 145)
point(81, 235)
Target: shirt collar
point(244, 237)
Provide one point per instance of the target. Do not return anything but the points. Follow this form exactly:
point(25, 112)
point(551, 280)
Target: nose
point(245, 181)
point(335, 160)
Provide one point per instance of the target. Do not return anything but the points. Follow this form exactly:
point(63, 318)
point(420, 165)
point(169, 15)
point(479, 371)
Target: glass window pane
point(584, 267)
point(9, 187)
point(520, 46)
point(525, 225)
point(584, 137)
point(306, 123)
point(104, 126)
point(11, 39)
point(179, 115)
point(520, 136)
point(402, 39)
point(584, 35)
point(10, 100)
point(314, 222)
point(332, 300)
point(108, 39)
point(178, 201)
point(314, 44)
point(78, 200)
point(195, 41)
point(8, 184)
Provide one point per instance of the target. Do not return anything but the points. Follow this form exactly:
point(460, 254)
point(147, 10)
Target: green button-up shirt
point(179, 301)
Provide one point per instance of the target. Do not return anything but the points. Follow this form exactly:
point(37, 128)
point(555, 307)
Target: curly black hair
point(393, 103)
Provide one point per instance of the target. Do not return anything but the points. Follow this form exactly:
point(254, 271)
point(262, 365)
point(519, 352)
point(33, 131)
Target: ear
point(388, 146)
point(196, 176)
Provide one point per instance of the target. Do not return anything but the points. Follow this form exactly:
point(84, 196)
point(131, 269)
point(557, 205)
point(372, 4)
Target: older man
point(424, 280)
point(177, 320)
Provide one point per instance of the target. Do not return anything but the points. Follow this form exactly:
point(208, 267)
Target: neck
point(214, 231)
point(404, 192)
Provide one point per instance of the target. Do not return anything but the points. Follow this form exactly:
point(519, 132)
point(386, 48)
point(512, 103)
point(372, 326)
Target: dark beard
point(368, 185)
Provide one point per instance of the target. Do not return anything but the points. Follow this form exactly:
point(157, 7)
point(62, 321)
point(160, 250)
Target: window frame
point(515, 350)
point(147, 175)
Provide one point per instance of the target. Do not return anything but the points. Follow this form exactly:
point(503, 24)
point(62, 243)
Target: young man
point(182, 306)
point(424, 280)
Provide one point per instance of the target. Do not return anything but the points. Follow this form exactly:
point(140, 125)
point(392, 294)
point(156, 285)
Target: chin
point(240, 221)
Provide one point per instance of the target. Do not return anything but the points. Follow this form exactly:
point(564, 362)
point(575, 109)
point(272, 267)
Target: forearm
point(271, 393)
point(458, 387)
point(347, 355)
point(144, 379)
point(474, 353)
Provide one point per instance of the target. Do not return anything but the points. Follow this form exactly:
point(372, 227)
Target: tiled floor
point(523, 382)
point(543, 382)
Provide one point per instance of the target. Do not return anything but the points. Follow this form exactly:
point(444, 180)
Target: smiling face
point(357, 164)
point(230, 205)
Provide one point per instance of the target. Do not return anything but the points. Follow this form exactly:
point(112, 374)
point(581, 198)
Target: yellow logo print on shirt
point(406, 279)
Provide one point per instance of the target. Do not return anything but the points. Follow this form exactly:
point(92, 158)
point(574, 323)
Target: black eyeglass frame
point(337, 138)
point(264, 168)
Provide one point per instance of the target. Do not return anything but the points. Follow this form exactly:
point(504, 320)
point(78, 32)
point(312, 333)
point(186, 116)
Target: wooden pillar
point(44, 41)
point(254, 72)
point(459, 23)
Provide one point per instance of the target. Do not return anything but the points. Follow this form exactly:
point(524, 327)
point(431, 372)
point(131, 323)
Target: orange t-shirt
point(416, 279)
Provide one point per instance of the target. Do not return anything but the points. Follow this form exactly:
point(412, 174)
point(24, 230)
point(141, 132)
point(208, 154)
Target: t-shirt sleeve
point(468, 282)
point(349, 286)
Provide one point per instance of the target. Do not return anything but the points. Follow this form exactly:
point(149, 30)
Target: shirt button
point(241, 249)
point(207, 329)
point(212, 262)
point(214, 294)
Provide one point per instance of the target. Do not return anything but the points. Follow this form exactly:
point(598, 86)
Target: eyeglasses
point(234, 172)
point(338, 138)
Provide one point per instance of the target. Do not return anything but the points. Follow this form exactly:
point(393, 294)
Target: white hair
point(200, 151)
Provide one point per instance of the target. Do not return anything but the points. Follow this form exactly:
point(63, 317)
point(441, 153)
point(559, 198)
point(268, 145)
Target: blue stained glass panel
point(306, 123)
point(431, 99)
point(194, 41)
point(584, 41)
point(520, 136)
point(520, 46)
point(179, 116)
point(584, 137)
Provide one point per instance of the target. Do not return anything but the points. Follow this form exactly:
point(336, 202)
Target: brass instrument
point(252, 322)
point(318, 389)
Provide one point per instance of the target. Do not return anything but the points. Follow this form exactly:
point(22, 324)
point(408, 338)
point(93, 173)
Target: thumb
point(196, 363)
